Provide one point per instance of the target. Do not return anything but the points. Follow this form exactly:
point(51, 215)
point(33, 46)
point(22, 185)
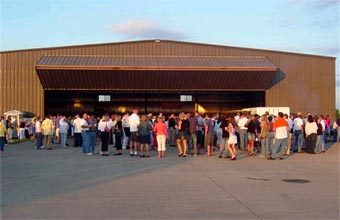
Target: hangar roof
point(156, 73)
point(208, 63)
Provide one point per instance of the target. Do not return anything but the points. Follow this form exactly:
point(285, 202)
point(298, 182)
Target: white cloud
point(325, 3)
point(317, 4)
point(330, 50)
point(146, 29)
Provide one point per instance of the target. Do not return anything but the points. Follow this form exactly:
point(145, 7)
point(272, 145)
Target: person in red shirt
point(161, 135)
point(281, 136)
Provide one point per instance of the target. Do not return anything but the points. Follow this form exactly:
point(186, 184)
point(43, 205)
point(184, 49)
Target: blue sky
point(307, 26)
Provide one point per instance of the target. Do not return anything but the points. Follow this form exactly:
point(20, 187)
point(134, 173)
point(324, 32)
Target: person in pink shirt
point(161, 136)
point(328, 128)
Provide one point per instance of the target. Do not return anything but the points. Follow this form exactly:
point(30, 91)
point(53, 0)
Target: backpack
point(217, 127)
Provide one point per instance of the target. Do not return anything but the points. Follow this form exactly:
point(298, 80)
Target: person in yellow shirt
point(2, 138)
point(47, 130)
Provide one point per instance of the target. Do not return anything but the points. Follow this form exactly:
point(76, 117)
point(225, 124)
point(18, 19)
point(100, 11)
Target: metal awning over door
point(150, 73)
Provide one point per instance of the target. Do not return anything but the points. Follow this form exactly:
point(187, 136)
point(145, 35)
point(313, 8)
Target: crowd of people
point(270, 136)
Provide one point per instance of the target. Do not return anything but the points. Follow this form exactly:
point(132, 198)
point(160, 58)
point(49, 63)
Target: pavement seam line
point(226, 191)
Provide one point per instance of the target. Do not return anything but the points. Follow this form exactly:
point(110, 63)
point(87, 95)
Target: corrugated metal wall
point(309, 84)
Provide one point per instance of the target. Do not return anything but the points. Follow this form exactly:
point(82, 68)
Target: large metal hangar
point(163, 76)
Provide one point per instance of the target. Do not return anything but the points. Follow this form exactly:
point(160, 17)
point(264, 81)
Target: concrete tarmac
point(65, 184)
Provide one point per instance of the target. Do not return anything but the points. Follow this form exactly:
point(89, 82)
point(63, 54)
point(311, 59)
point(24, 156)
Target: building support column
point(196, 102)
point(220, 102)
point(145, 102)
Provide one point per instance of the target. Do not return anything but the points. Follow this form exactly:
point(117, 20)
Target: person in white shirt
point(311, 134)
point(38, 134)
point(104, 127)
point(78, 142)
point(22, 125)
point(297, 133)
point(63, 130)
point(242, 130)
point(290, 133)
point(237, 117)
point(126, 130)
point(86, 148)
point(134, 137)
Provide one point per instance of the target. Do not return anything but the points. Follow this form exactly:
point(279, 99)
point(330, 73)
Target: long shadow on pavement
point(28, 174)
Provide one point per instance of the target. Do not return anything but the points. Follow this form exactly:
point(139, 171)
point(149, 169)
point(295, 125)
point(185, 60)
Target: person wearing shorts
point(144, 130)
point(251, 136)
point(144, 139)
point(134, 138)
point(134, 141)
point(232, 140)
point(182, 136)
point(251, 131)
point(209, 134)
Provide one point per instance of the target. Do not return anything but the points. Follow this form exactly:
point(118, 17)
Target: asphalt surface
point(65, 184)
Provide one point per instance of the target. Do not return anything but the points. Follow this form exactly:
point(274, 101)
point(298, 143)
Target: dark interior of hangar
point(73, 102)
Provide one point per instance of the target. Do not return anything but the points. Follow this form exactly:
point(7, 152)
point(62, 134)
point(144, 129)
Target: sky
point(304, 26)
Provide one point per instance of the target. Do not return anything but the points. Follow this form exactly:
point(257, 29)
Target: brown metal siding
point(309, 84)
